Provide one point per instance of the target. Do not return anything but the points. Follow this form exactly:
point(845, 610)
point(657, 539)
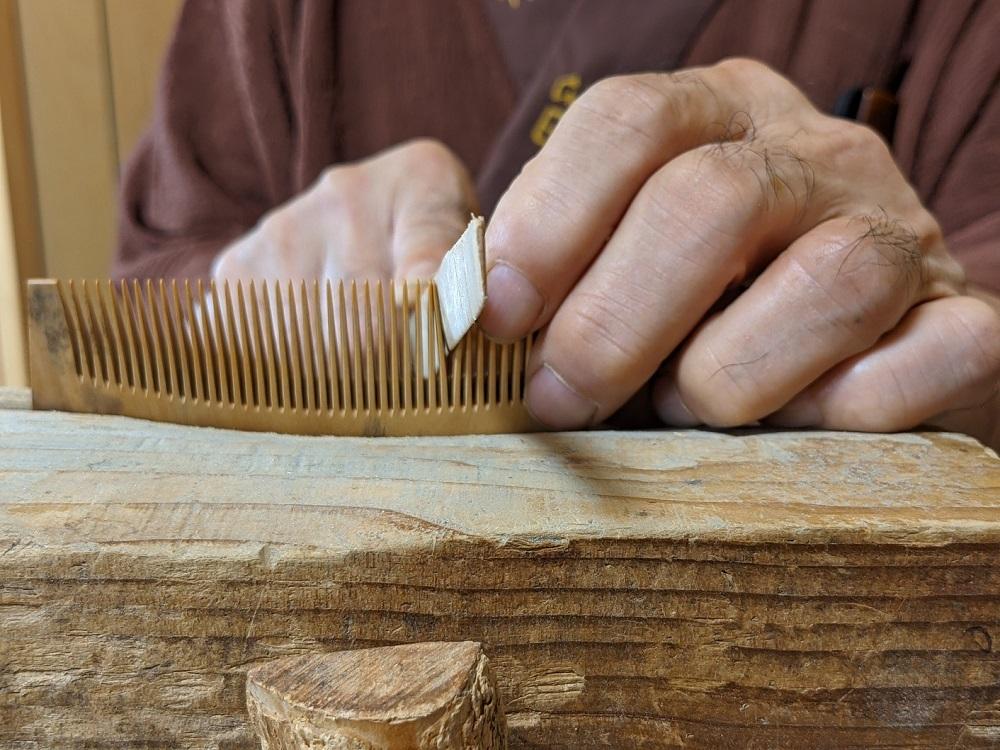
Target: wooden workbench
point(657, 589)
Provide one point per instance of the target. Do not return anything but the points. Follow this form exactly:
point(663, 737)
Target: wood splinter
point(410, 697)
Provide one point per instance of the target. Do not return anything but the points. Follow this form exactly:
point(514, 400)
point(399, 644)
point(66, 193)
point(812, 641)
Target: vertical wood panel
point(20, 243)
point(138, 34)
point(13, 367)
point(72, 131)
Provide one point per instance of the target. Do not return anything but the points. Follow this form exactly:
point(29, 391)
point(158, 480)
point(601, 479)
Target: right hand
point(393, 215)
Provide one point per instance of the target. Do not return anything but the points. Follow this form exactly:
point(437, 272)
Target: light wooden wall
point(81, 83)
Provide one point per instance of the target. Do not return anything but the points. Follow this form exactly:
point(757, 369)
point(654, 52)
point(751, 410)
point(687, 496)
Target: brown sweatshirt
point(257, 97)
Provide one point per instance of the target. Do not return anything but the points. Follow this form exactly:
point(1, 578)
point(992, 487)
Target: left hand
point(659, 195)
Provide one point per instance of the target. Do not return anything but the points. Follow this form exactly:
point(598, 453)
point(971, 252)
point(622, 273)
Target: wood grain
point(419, 696)
point(649, 590)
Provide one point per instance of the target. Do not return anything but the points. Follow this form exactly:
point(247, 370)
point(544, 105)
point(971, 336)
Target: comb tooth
point(457, 355)
point(380, 329)
point(393, 347)
point(504, 372)
point(102, 336)
point(491, 374)
point(404, 331)
point(418, 347)
point(432, 361)
point(191, 326)
point(211, 361)
point(161, 320)
point(219, 347)
point(180, 335)
point(138, 316)
point(355, 341)
point(467, 372)
point(231, 339)
point(302, 341)
point(251, 387)
point(294, 349)
point(282, 349)
point(259, 355)
point(109, 314)
point(344, 341)
point(86, 342)
point(332, 350)
point(369, 351)
point(98, 340)
point(480, 374)
point(277, 382)
point(76, 342)
point(160, 373)
point(322, 378)
point(441, 356)
point(522, 372)
point(125, 322)
point(516, 369)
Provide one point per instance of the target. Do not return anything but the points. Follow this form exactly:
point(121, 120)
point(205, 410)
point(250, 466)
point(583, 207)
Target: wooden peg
point(410, 697)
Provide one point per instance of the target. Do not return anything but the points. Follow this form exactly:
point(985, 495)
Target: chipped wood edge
point(316, 702)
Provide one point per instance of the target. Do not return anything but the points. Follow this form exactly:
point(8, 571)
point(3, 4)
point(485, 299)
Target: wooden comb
point(342, 358)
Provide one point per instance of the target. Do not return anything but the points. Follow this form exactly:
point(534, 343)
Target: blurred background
point(77, 79)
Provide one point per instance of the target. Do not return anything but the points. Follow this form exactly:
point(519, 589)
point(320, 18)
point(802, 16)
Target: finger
point(434, 198)
point(944, 356)
point(832, 294)
point(561, 209)
point(695, 228)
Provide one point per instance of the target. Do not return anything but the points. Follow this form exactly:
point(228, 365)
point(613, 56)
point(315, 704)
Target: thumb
point(433, 201)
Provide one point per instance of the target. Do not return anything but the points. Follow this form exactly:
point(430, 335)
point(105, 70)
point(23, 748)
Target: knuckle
point(429, 152)
point(622, 107)
point(977, 326)
point(277, 229)
point(338, 182)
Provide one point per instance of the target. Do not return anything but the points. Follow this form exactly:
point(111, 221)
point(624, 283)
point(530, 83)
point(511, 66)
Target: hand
point(391, 216)
point(660, 196)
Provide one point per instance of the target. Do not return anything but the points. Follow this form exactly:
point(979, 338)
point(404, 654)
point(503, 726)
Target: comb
point(338, 358)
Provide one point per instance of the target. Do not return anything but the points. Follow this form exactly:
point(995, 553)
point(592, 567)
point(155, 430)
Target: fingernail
point(670, 407)
point(513, 304)
point(552, 401)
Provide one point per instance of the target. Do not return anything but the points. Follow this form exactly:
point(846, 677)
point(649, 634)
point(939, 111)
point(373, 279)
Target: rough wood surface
point(645, 590)
point(419, 696)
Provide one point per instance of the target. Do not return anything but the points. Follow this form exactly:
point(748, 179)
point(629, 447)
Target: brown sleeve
point(220, 149)
point(948, 131)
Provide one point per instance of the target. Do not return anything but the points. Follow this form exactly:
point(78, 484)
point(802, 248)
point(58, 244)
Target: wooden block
point(15, 398)
point(422, 695)
point(631, 589)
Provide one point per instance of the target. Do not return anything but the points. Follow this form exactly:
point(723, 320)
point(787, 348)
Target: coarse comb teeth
point(315, 358)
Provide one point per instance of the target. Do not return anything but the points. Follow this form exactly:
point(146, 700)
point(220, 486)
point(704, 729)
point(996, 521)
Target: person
point(691, 200)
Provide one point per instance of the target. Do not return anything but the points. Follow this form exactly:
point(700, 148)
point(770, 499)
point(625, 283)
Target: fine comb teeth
point(319, 358)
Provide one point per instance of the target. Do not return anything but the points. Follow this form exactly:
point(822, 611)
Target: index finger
point(561, 209)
